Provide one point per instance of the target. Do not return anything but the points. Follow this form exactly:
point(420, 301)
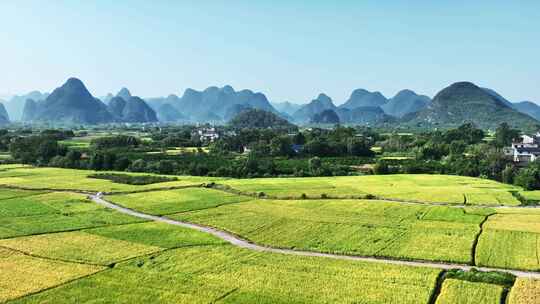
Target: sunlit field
point(56, 244)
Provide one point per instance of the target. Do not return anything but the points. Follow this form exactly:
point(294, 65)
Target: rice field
point(57, 178)
point(511, 241)
point(206, 274)
point(38, 212)
point(420, 188)
point(59, 247)
point(525, 291)
point(176, 201)
point(21, 274)
point(360, 227)
point(464, 292)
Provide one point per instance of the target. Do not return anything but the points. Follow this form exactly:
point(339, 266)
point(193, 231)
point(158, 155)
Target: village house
point(209, 134)
point(525, 150)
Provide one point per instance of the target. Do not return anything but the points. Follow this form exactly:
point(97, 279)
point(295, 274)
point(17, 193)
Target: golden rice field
point(60, 247)
point(525, 291)
point(463, 292)
point(416, 188)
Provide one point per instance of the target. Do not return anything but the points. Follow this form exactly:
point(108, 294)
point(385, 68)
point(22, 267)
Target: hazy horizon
point(290, 51)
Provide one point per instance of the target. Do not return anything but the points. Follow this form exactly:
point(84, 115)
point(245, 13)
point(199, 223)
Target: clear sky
point(290, 50)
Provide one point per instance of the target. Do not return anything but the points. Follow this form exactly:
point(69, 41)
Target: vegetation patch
point(133, 179)
point(79, 247)
point(474, 275)
point(21, 274)
point(204, 274)
point(358, 227)
point(525, 291)
point(510, 241)
point(465, 292)
point(176, 201)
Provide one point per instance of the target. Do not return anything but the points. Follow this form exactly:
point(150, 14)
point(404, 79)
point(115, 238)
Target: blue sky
point(290, 50)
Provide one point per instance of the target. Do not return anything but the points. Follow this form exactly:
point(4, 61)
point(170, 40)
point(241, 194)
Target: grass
point(463, 292)
point(420, 188)
point(21, 274)
point(372, 228)
point(525, 291)
point(176, 201)
point(510, 241)
point(205, 274)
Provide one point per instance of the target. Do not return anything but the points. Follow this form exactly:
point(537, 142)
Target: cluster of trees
point(341, 141)
point(259, 152)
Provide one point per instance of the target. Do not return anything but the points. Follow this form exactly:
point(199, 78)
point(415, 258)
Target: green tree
point(504, 135)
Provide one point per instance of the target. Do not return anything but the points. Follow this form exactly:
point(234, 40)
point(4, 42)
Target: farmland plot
point(372, 228)
point(56, 178)
point(525, 291)
point(21, 274)
point(175, 201)
point(204, 274)
point(420, 188)
point(510, 241)
point(464, 292)
point(54, 212)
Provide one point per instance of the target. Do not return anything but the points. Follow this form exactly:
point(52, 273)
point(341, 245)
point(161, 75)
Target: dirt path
point(239, 242)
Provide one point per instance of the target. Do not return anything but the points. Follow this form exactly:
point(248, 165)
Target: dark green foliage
point(254, 118)
point(529, 178)
point(133, 179)
point(505, 135)
point(121, 141)
point(474, 275)
point(35, 149)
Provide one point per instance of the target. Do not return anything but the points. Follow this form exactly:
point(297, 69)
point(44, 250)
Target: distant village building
point(525, 150)
point(206, 134)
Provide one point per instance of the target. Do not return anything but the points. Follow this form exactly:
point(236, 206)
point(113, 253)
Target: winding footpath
point(242, 243)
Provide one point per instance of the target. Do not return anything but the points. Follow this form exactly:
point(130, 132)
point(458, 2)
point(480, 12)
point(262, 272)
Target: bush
point(474, 275)
point(133, 179)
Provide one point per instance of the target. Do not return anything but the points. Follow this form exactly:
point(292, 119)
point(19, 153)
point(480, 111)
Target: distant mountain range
point(454, 105)
point(465, 102)
point(72, 103)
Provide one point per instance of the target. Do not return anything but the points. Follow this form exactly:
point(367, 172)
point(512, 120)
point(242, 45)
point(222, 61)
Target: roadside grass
point(21, 274)
point(231, 275)
point(525, 291)
point(510, 241)
point(175, 201)
point(463, 292)
point(360, 227)
point(57, 178)
point(421, 188)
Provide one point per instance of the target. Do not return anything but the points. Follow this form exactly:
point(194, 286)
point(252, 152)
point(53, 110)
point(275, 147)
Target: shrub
point(133, 179)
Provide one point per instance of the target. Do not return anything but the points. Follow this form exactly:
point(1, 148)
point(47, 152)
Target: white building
point(526, 149)
point(206, 134)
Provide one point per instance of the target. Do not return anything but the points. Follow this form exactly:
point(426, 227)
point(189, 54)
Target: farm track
point(242, 243)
